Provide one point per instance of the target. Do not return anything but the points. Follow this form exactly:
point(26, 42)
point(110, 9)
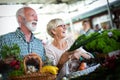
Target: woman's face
point(60, 31)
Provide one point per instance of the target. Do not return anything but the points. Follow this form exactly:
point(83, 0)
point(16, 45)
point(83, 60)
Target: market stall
point(105, 46)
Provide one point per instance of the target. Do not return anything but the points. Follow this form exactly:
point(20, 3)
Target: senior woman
point(57, 50)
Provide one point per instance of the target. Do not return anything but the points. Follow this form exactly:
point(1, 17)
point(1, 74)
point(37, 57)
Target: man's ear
point(20, 19)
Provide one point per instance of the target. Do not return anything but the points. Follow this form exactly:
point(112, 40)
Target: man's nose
point(36, 18)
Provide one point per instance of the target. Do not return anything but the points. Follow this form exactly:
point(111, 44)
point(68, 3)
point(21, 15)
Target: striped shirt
point(17, 37)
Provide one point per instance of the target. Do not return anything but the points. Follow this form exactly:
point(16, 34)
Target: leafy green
point(106, 42)
point(77, 43)
point(7, 51)
point(82, 40)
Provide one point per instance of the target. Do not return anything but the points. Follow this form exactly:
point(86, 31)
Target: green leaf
point(10, 51)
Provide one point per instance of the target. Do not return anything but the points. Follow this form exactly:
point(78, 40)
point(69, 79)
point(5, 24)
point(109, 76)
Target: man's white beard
point(30, 25)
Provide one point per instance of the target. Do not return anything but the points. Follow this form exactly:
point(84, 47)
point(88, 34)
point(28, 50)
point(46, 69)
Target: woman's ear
point(53, 31)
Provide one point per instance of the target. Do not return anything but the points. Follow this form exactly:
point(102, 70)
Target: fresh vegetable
point(82, 66)
point(18, 69)
point(16, 63)
point(83, 40)
point(102, 42)
point(109, 70)
point(49, 69)
point(106, 42)
point(8, 51)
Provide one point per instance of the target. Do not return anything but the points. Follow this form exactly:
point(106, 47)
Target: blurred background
point(99, 12)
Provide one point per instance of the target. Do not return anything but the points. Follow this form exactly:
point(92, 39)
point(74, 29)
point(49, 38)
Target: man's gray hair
point(20, 12)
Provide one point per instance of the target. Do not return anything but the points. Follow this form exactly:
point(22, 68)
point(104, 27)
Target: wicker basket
point(36, 75)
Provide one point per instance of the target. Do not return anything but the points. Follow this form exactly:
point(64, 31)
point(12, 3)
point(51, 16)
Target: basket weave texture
point(36, 75)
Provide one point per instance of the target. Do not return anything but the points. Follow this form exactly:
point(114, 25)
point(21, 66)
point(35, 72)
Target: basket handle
point(27, 57)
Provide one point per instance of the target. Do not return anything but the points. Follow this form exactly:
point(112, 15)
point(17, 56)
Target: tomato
point(82, 66)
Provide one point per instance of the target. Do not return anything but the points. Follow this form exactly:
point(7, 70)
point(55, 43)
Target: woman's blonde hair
point(52, 24)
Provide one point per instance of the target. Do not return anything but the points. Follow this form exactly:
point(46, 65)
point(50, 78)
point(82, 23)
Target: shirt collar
point(20, 34)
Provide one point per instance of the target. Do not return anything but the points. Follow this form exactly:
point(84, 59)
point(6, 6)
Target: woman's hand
point(79, 53)
point(64, 58)
point(76, 55)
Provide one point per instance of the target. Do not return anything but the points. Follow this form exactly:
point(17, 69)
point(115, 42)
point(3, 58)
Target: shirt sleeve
point(1, 45)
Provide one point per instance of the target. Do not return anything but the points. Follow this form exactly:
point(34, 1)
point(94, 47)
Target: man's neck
point(27, 34)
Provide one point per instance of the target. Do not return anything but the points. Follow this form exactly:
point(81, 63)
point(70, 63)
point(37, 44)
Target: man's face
point(31, 25)
point(30, 20)
point(86, 25)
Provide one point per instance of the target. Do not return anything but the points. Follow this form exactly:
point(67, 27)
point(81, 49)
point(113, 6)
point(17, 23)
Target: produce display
point(107, 41)
point(29, 65)
point(109, 70)
point(103, 42)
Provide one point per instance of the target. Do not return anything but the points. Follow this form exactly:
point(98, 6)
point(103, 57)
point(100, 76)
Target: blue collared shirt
point(17, 37)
